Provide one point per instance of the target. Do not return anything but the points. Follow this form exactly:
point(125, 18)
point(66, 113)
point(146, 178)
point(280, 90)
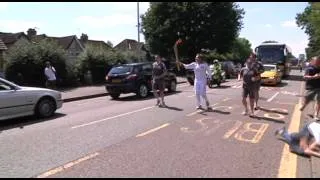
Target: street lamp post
point(138, 18)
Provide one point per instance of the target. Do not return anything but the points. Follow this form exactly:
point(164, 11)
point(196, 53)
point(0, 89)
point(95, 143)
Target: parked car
point(135, 78)
point(229, 68)
point(271, 75)
point(17, 101)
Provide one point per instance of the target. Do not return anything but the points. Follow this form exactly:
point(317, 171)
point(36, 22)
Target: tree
point(241, 49)
point(210, 25)
point(97, 61)
point(29, 60)
point(309, 20)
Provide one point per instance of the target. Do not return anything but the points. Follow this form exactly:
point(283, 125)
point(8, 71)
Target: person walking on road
point(249, 76)
point(306, 142)
point(260, 69)
point(50, 74)
point(158, 83)
point(312, 77)
point(202, 73)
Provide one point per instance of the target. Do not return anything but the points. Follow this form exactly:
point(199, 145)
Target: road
point(130, 137)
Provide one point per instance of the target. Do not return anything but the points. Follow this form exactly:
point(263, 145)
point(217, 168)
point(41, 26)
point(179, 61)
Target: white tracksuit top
point(201, 71)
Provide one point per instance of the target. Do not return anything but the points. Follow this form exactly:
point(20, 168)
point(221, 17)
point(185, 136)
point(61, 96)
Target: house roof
point(96, 43)
point(129, 44)
point(64, 42)
point(2, 45)
point(10, 38)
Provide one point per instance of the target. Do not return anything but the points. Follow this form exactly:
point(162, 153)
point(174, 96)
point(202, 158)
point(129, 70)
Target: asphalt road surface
point(131, 137)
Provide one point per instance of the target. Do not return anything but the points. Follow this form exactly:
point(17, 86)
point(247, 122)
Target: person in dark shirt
point(312, 77)
point(260, 69)
point(158, 73)
point(249, 76)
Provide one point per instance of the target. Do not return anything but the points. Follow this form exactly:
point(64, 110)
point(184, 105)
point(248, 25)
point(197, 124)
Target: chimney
point(31, 32)
point(84, 38)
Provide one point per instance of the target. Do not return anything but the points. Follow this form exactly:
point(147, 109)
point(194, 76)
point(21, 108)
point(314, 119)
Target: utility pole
point(138, 18)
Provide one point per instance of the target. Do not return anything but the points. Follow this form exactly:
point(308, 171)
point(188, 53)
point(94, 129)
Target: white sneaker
point(245, 113)
point(199, 108)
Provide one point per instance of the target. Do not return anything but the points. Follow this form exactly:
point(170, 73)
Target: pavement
point(93, 91)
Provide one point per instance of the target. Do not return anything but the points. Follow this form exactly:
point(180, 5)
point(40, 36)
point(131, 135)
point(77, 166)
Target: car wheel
point(173, 86)
point(143, 91)
point(190, 81)
point(45, 108)
point(115, 95)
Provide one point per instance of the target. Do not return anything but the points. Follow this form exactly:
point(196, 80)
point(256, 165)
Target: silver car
point(17, 101)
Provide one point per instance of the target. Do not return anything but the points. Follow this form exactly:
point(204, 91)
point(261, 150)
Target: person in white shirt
point(202, 72)
point(50, 74)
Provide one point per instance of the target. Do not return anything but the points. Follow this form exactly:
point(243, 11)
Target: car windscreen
point(272, 54)
point(121, 70)
point(269, 68)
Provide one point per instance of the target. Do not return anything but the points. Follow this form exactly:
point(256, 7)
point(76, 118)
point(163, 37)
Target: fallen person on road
point(306, 142)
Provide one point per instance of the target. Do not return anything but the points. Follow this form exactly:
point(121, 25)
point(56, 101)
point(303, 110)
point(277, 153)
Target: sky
point(116, 21)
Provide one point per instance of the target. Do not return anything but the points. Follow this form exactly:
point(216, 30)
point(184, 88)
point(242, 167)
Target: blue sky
point(115, 21)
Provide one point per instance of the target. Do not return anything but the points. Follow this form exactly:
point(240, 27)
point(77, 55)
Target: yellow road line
point(288, 163)
point(153, 130)
point(66, 166)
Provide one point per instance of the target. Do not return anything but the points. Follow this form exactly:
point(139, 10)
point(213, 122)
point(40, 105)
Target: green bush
point(29, 60)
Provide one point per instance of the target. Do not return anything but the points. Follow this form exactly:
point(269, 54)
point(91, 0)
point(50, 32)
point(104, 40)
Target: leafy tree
point(29, 60)
point(211, 25)
point(97, 61)
point(309, 20)
point(241, 49)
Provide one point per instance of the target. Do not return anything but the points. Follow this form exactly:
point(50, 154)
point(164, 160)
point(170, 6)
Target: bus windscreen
point(271, 54)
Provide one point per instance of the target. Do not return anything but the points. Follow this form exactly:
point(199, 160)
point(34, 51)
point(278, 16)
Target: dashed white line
point(66, 166)
point(275, 95)
point(153, 130)
point(120, 115)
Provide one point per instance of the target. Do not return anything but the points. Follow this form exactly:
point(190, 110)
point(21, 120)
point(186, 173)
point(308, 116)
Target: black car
point(135, 78)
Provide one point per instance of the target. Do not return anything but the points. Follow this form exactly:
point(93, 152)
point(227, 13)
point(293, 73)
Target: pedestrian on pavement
point(202, 73)
point(249, 76)
point(306, 142)
point(260, 69)
point(312, 77)
point(50, 74)
point(159, 71)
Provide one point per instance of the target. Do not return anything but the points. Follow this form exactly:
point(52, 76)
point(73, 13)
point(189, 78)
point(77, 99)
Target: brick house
point(70, 44)
point(133, 46)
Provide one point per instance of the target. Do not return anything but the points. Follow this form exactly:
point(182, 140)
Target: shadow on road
point(221, 87)
point(273, 111)
point(25, 121)
point(136, 98)
point(282, 84)
point(173, 108)
point(268, 119)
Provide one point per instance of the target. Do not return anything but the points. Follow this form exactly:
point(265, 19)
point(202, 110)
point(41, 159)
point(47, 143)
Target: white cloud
point(106, 21)
point(3, 5)
point(298, 47)
point(18, 25)
point(289, 24)
point(268, 26)
point(121, 7)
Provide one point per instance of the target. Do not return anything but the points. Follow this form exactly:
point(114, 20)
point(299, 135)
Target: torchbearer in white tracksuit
point(201, 72)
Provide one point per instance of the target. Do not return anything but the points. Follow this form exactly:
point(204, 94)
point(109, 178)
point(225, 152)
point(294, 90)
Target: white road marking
point(153, 130)
point(191, 96)
point(120, 115)
point(66, 166)
point(275, 95)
